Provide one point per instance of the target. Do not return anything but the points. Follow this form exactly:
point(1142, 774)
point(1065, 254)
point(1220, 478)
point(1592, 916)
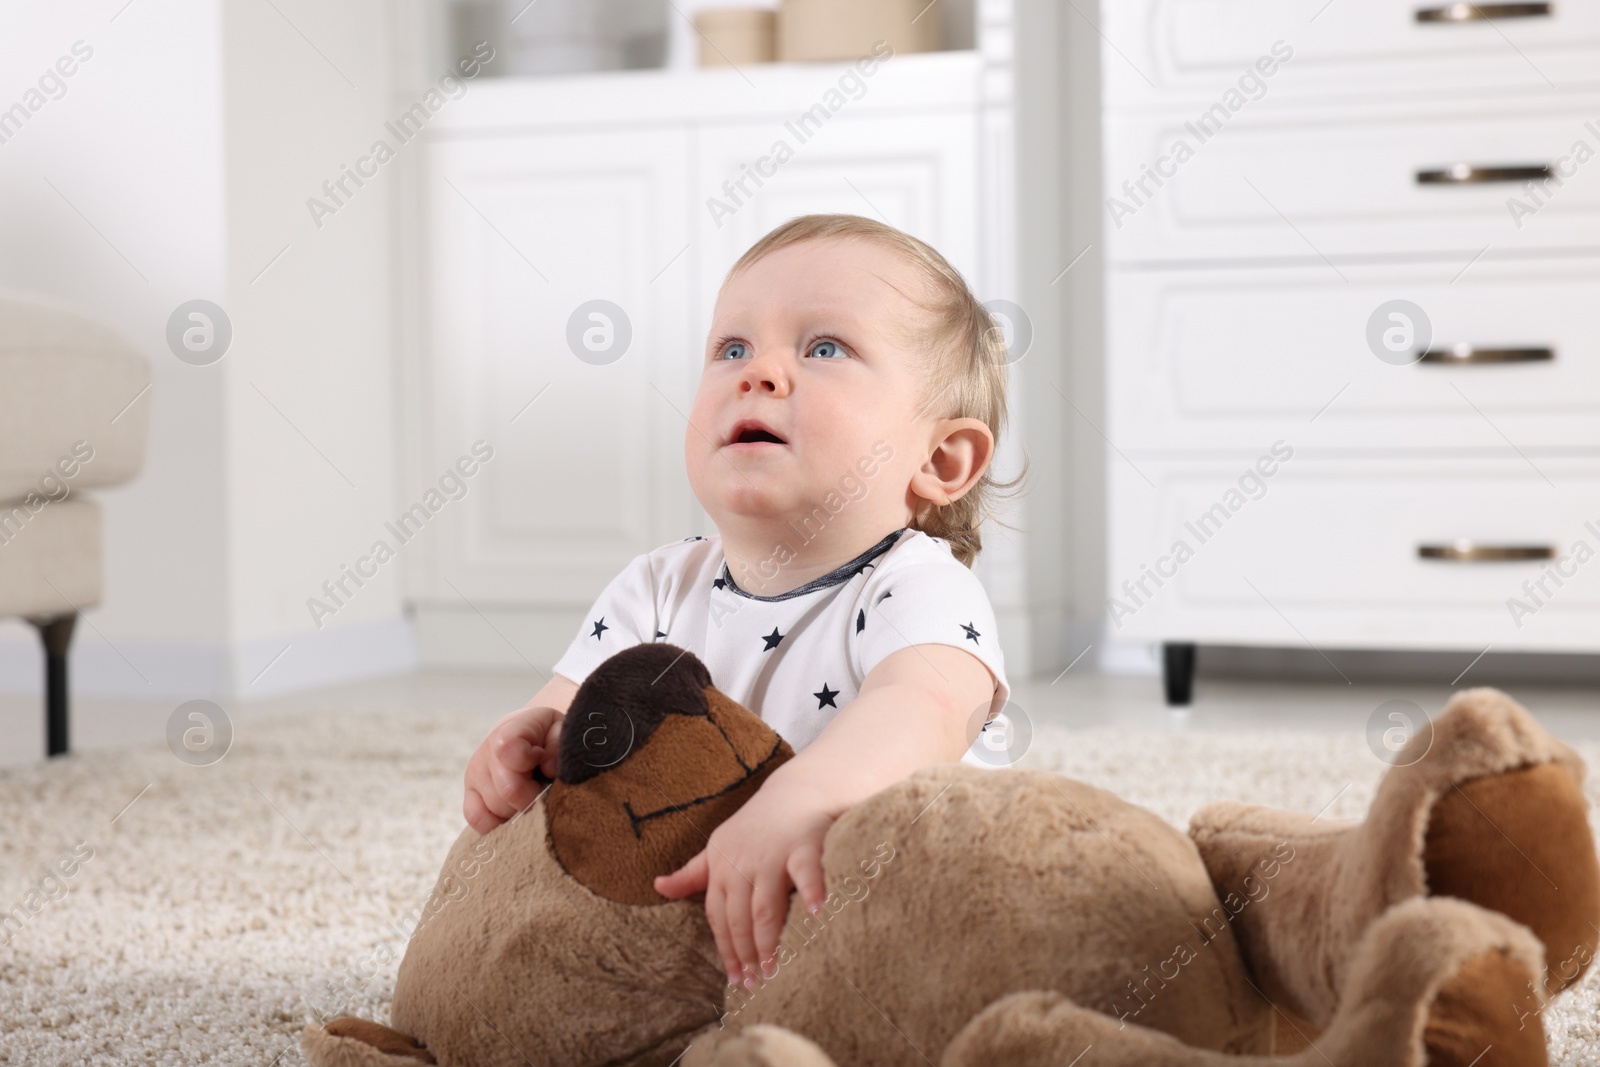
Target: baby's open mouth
point(750, 432)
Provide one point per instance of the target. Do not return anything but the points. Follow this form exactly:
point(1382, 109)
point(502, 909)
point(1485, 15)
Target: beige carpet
point(226, 900)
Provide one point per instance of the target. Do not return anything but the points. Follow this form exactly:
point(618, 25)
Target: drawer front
point(1222, 359)
point(1355, 183)
point(1182, 49)
point(1329, 553)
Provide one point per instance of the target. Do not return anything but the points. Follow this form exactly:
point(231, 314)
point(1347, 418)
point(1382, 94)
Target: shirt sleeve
point(624, 615)
point(933, 603)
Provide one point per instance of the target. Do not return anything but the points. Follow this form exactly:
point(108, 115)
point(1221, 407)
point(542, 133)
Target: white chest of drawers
point(1282, 180)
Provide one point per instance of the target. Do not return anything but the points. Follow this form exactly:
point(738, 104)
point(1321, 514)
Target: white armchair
point(73, 416)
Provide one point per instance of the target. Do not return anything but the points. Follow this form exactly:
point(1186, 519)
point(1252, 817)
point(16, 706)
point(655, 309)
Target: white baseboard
point(217, 670)
point(517, 638)
point(1124, 657)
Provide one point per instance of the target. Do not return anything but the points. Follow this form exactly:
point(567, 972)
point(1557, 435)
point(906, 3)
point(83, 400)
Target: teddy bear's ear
point(653, 758)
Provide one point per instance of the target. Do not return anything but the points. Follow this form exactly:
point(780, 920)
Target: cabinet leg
point(1177, 672)
point(56, 635)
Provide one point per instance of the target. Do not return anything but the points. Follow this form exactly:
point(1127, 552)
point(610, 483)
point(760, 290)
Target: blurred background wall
point(205, 151)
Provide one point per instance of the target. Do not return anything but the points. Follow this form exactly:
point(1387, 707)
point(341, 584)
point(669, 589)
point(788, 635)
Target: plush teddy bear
point(1001, 916)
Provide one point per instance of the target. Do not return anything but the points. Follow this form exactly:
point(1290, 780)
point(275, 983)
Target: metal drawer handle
point(1470, 174)
point(1458, 354)
point(1473, 552)
point(1458, 13)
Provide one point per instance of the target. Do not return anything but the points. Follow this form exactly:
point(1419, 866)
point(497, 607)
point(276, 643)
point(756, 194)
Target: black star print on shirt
point(967, 626)
point(660, 634)
point(825, 698)
point(772, 640)
point(718, 583)
point(861, 616)
point(600, 624)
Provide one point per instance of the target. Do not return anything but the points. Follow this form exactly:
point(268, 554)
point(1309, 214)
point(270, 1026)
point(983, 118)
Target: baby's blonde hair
point(967, 371)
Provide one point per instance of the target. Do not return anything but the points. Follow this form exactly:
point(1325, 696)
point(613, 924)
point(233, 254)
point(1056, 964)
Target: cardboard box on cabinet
point(734, 36)
point(848, 29)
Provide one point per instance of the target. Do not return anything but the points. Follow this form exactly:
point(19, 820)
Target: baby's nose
point(765, 375)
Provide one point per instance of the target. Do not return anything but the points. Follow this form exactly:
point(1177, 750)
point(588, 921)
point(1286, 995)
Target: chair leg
point(56, 635)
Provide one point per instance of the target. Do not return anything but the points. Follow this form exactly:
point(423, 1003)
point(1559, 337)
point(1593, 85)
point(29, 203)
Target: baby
point(840, 440)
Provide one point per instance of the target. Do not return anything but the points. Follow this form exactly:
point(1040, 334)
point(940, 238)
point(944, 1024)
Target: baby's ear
point(959, 454)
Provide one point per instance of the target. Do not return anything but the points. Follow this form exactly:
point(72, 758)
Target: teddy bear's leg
point(1487, 807)
point(351, 1042)
point(1437, 982)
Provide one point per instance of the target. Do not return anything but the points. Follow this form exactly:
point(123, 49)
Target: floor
point(1078, 699)
point(230, 902)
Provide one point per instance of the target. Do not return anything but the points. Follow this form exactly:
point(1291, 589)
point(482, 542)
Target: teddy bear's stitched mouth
point(639, 819)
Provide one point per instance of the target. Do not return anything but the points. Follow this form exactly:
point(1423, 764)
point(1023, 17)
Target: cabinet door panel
point(524, 230)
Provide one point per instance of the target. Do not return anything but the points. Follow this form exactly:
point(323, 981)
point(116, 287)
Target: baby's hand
point(746, 870)
point(499, 775)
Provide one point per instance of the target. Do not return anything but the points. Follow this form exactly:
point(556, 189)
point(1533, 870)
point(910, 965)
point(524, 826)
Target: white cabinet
point(1168, 49)
point(525, 229)
point(917, 170)
point(1355, 554)
point(1399, 154)
point(542, 196)
point(1232, 358)
point(1307, 183)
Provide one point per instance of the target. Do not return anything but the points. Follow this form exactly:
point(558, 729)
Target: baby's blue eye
point(735, 350)
point(827, 350)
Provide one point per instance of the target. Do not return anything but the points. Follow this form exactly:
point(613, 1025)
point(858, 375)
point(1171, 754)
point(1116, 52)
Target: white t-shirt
point(797, 658)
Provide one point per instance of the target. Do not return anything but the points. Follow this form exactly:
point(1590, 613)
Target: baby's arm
point(499, 775)
point(915, 709)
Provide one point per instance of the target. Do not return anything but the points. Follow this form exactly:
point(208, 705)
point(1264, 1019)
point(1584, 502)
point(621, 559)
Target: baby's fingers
point(741, 932)
point(769, 910)
point(477, 813)
point(517, 791)
point(515, 750)
point(716, 917)
point(552, 748)
point(690, 878)
point(805, 867)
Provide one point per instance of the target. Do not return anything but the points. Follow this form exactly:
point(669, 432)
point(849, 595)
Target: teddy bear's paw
point(1514, 839)
point(758, 1046)
point(1439, 982)
point(351, 1042)
point(1045, 1029)
point(1031, 1029)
